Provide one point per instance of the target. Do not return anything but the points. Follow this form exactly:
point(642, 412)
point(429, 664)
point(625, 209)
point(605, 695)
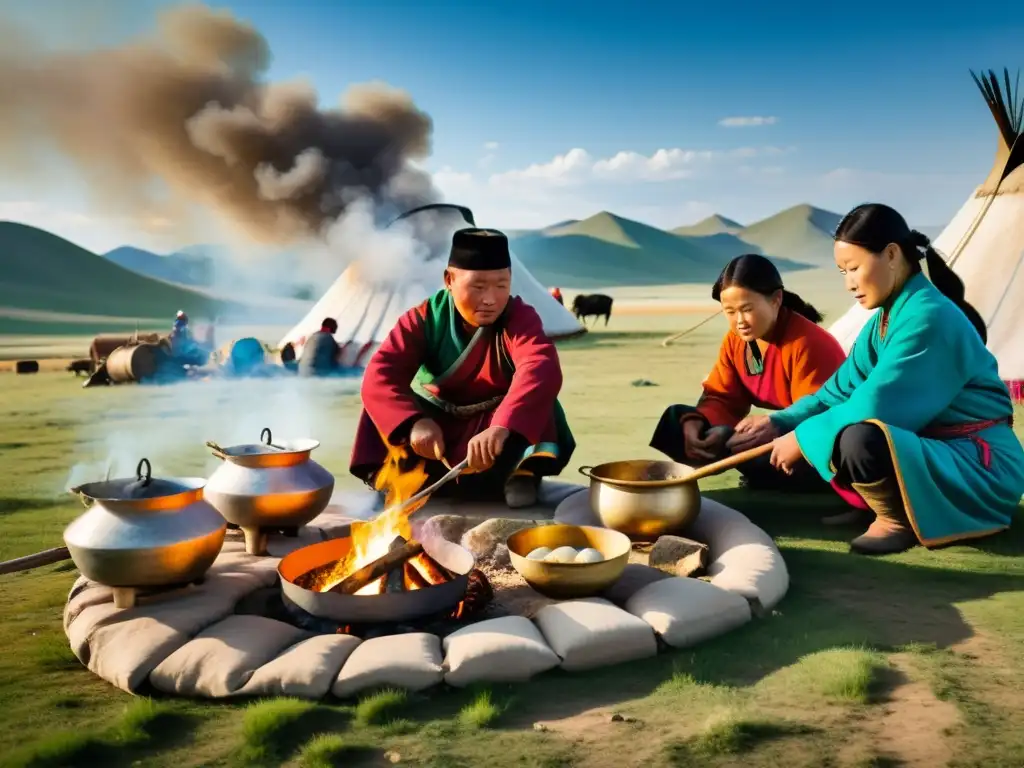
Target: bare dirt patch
point(911, 726)
point(902, 619)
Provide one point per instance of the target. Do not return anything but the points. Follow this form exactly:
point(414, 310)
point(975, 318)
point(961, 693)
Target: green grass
point(730, 733)
point(807, 685)
point(481, 712)
point(380, 707)
point(42, 272)
point(143, 725)
point(324, 751)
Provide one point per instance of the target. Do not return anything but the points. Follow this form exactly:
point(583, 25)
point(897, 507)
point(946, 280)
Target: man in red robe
point(469, 373)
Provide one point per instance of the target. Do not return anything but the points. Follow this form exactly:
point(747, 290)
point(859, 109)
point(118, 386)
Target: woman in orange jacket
point(773, 354)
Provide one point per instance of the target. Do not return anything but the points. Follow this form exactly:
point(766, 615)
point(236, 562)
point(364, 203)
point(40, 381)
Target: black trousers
point(862, 455)
point(757, 474)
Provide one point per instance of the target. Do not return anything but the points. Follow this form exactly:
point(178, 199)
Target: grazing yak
point(593, 304)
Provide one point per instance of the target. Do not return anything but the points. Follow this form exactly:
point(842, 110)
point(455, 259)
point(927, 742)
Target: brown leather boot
point(891, 531)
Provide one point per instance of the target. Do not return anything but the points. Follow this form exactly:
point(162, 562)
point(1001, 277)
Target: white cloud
point(491, 146)
point(578, 166)
point(747, 122)
point(658, 188)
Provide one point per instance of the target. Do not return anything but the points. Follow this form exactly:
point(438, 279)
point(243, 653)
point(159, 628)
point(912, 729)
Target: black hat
point(479, 250)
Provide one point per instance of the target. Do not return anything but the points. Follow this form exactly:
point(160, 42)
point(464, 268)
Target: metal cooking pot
point(267, 486)
point(144, 532)
point(645, 499)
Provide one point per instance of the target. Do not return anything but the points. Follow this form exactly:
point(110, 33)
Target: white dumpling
point(561, 555)
point(589, 555)
point(539, 553)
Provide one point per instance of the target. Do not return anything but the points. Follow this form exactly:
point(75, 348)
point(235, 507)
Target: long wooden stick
point(729, 462)
point(379, 567)
point(39, 559)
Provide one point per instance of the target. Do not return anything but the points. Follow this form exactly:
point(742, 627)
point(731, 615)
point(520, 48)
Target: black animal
point(78, 367)
point(592, 305)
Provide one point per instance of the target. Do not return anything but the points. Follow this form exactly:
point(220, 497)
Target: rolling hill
point(182, 268)
point(715, 224)
point(43, 273)
point(802, 233)
point(607, 250)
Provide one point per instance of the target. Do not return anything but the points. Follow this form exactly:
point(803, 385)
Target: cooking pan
point(645, 499)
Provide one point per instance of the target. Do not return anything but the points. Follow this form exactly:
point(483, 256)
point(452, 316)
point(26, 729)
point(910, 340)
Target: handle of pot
point(266, 436)
point(148, 476)
point(585, 470)
point(729, 462)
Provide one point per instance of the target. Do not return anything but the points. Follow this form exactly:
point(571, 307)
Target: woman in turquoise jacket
point(916, 425)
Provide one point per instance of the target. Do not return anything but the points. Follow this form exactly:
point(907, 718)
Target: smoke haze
point(182, 123)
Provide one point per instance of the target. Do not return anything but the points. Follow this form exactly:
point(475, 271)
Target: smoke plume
point(184, 121)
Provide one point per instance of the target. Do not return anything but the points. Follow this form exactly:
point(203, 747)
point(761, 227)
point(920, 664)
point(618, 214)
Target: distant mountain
point(209, 267)
point(182, 268)
point(40, 271)
point(802, 233)
point(607, 250)
point(715, 224)
point(560, 224)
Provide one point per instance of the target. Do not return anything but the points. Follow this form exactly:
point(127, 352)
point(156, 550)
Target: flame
point(370, 541)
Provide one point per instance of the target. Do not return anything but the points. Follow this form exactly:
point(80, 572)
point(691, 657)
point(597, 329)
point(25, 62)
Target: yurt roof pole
point(1008, 113)
point(1002, 99)
point(466, 213)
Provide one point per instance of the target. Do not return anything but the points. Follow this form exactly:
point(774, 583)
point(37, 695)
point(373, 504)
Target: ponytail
point(945, 279)
point(794, 303)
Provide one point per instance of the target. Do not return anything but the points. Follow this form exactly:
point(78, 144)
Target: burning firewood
point(379, 567)
point(413, 578)
point(433, 571)
point(395, 581)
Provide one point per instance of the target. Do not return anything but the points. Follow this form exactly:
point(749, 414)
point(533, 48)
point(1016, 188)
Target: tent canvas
point(984, 242)
point(367, 307)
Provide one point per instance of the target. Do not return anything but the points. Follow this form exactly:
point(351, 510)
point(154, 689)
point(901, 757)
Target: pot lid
point(142, 486)
point(266, 446)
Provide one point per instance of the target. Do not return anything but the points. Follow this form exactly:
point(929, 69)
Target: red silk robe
point(429, 362)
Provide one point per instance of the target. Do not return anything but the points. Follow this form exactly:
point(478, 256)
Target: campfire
point(381, 559)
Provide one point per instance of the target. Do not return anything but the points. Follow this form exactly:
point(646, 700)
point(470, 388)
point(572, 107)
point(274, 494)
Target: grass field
point(913, 659)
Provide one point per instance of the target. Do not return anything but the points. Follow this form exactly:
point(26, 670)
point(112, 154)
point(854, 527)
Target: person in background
point(320, 352)
point(288, 357)
point(468, 374)
point(773, 354)
point(180, 336)
point(916, 426)
point(556, 294)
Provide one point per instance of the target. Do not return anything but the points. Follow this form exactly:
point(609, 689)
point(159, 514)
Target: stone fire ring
point(192, 643)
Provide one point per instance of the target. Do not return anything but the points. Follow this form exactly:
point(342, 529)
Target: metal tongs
point(452, 473)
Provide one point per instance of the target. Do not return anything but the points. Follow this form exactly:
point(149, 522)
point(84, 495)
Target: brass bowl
point(564, 581)
point(641, 498)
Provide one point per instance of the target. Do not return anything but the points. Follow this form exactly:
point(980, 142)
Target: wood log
point(39, 559)
point(414, 576)
point(395, 581)
point(436, 573)
point(379, 567)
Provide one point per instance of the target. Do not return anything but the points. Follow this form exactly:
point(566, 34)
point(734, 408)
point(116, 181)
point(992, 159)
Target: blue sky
point(546, 111)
